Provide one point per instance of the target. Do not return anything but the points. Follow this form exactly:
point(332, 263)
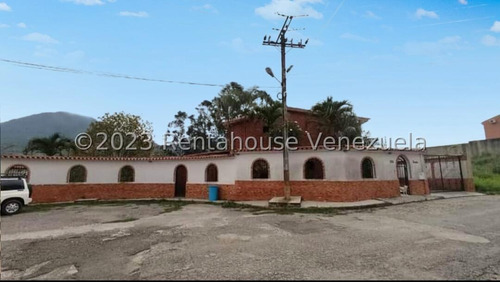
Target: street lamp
point(270, 72)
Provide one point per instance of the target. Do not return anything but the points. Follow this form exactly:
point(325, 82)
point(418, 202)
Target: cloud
point(74, 56)
point(40, 38)
point(206, 8)
point(371, 15)
point(436, 48)
point(4, 7)
point(141, 14)
point(463, 2)
point(354, 37)
point(45, 52)
point(289, 7)
point(489, 40)
point(240, 46)
point(21, 25)
point(4, 25)
point(496, 26)
point(90, 2)
point(422, 13)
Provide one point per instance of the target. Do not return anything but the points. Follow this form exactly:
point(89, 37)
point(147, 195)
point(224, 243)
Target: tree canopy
point(212, 118)
point(337, 118)
point(120, 135)
point(54, 145)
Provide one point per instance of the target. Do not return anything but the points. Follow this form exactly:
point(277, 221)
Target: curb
point(383, 203)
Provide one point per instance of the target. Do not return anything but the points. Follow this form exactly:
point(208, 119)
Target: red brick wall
point(254, 128)
point(469, 185)
point(256, 190)
point(335, 191)
point(419, 187)
point(244, 130)
point(452, 184)
point(345, 191)
point(72, 192)
point(200, 191)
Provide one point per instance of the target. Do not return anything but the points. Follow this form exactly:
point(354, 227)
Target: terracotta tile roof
point(322, 148)
point(200, 156)
point(217, 155)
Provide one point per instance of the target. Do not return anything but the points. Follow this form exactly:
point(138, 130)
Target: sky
point(429, 68)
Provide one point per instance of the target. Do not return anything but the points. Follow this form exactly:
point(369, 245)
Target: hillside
point(15, 134)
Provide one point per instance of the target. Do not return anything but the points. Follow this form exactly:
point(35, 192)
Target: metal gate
point(402, 170)
point(444, 172)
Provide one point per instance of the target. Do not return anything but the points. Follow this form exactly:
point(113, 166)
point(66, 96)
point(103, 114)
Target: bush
point(496, 167)
point(486, 169)
point(488, 185)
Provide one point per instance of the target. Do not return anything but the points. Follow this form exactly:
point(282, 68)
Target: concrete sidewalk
point(372, 203)
point(313, 204)
point(432, 196)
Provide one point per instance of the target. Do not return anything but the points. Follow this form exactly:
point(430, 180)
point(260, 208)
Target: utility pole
point(283, 43)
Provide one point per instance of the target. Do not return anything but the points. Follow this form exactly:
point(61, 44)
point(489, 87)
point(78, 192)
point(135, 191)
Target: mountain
point(15, 134)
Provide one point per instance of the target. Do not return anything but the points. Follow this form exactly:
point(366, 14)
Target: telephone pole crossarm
point(284, 43)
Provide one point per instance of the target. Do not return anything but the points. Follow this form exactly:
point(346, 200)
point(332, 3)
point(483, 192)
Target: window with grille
point(77, 174)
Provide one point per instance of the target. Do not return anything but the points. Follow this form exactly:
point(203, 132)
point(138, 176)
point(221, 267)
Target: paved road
point(445, 239)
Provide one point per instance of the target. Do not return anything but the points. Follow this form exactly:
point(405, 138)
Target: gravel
point(445, 239)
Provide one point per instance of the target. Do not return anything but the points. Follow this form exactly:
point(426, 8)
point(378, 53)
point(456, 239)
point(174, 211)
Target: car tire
point(10, 207)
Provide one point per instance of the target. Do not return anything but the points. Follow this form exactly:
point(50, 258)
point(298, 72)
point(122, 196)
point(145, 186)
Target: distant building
point(492, 127)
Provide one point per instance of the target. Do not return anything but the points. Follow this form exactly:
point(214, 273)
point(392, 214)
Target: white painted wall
point(56, 171)
point(339, 165)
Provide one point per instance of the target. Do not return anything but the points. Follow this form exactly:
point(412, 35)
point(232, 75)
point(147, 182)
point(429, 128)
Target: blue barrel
point(213, 193)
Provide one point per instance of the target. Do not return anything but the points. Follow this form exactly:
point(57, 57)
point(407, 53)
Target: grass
point(486, 170)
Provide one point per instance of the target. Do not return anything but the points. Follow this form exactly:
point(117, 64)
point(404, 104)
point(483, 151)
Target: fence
point(445, 172)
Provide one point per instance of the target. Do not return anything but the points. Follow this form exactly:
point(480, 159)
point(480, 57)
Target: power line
point(105, 74)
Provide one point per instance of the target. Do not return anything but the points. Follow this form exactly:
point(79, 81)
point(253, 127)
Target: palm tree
point(337, 119)
point(234, 102)
point(269, 113)
point(53, 145)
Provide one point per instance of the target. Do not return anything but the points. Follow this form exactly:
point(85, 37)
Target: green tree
point(271, 114)
point(120, 135)
point(202, 130)
point(337, 119)
point(234, 102)
point(212, 118)
point(176, 131)
point(56, 144)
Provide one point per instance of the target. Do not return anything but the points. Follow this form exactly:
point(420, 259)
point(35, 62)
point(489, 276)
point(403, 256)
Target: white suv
point(15, 194)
